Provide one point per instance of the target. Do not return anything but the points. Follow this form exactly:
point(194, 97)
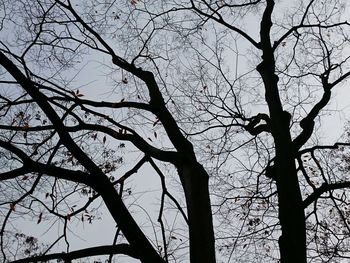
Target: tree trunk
point(291, 212)
point(195, 183)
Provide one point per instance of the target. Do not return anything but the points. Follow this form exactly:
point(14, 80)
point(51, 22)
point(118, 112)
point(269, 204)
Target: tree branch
point(100, 182)
point(124, 249)
point(221, 21)
point(325, 187)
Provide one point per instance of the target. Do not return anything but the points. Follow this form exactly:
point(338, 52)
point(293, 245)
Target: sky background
point(92, 82)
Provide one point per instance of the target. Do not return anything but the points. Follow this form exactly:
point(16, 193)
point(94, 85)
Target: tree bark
point(195, 179)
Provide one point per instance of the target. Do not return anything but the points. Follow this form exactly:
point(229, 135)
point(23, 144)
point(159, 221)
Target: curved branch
point(254, 128)
point(138, 141)
point(322, 147)
point(124, 249)
point(31, 166)
point(322, 189)
point(108, 104)
point(221, 21)
point(13, 173)
point(295, 28)
point(307, 124)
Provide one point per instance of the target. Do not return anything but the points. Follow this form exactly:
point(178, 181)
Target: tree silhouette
point(226, 94)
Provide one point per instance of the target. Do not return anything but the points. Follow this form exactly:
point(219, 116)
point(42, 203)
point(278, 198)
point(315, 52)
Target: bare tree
point(65, 130)
point(231, 89)
point(295, 60)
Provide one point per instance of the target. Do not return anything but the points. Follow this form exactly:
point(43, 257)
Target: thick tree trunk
point(195, 182)
point(291, 212)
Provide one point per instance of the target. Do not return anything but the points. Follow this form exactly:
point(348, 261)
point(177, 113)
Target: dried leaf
point(104, 139)
point(121, 145)
point(25, 177)
point(40, 218)
point(13, 207)
point(20, 115)
point(25, 126)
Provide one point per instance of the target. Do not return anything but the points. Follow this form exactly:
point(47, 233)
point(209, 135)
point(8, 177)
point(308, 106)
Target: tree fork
point(291, 212)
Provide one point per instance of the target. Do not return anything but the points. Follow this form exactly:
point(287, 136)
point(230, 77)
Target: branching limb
point(123, 249)
point(323, 189)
